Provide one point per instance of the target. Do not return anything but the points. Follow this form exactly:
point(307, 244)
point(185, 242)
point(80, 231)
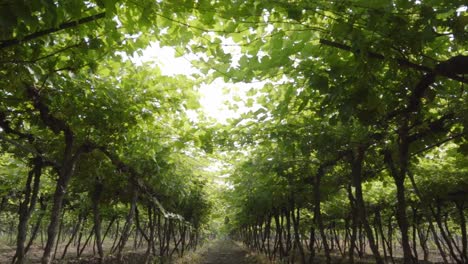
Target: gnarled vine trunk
point(356, 171)
point(27, 207)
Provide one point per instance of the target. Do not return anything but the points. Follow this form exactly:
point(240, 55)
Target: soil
point(227, 252)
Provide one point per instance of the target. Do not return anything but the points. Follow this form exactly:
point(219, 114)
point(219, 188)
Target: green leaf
point(319, 82)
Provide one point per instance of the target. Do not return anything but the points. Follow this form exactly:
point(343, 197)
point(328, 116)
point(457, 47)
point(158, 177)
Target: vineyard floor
point(227, 252)
point(213, 252)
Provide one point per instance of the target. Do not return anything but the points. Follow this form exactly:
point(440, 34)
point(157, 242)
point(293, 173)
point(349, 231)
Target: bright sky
point(212, 96)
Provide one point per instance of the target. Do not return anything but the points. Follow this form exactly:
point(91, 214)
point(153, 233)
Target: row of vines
point(98, 156)
point(355, 147)
point(279, 213)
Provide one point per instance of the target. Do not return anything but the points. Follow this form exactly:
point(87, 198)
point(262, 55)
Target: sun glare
point(215, 97)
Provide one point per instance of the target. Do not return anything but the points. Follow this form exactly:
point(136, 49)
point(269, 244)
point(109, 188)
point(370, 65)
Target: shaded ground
point(226, 252)
point(35, 254)
point(214, 252)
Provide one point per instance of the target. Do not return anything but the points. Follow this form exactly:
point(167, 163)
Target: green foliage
point(381, 79)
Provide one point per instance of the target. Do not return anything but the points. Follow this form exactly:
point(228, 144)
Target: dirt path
point(226, 252)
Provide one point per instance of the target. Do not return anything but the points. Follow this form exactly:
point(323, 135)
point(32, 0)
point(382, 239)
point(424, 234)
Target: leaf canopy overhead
point(378, 80)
